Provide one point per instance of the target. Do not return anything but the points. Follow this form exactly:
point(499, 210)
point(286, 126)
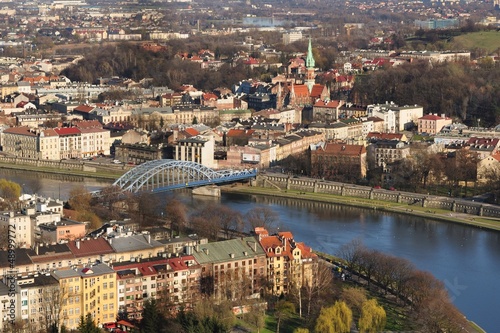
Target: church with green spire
point(310, 70)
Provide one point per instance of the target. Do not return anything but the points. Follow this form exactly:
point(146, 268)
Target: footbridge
point(168, 175)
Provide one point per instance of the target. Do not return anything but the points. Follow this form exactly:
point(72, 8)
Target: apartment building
point(231, 269)
point(288, 263)
point(432, 123)
point(384, 152)
point(332, 159)
point(199, 149)
point(396, 118)
point(89, 290)
point(40, 300)
point(18, 225)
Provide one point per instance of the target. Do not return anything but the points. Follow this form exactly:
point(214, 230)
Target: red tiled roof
point(191, 131)
point(286, 234)
point(306, 251)
point(232, 133)
point(301, 90)
point(432, 117)
point(329, 104)
point(317, 90)
point(90, 247)
point(209, 96)
point(385, 136)
point(483, 141)
point(84, 108)
point(67, 131)
point(88, 124)
point(179, 264)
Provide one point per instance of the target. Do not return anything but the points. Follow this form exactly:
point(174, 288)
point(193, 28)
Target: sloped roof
point(343, 149)
point(134, 243)
point(90, 247)
point(67, 131)
point(191, 131)
point(83, 108)
point(317, 90)
point(221, 251)
point(24, 130)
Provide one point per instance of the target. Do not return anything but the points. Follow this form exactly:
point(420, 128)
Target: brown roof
point(317, 90)
point(232, 133)
point(385, 136)
point(344, 149)
point(90, 247)
point(24, 130)
point(88, 124)
point(301, 90)
point(84, 108)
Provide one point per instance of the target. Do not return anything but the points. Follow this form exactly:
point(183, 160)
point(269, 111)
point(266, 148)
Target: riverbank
point(400, 208)
point(100, 175)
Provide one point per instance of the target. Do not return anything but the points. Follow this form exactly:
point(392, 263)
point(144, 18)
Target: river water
point(465, 258)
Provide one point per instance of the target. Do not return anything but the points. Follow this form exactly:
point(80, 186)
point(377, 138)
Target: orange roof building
point(288, 263)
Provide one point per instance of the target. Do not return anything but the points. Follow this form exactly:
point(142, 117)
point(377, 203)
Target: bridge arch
point(166, 175)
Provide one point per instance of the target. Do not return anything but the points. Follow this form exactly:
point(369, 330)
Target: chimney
point(148, 236)
point(36, 249)
point(443, 115)
point(77, 244)
point(205, 250)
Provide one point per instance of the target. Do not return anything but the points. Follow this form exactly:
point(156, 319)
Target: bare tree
point(54, 299)
point(321, 282)
point(351, 253)
point(176, 213)
point(262, 216)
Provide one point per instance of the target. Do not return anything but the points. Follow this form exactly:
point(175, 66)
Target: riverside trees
point(417, 290)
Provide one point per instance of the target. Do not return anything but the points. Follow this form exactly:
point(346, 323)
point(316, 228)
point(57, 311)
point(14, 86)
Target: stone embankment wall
point(408, 198)
point(76, 165)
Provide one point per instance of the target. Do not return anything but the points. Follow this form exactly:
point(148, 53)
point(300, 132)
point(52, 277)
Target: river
point(464, 258)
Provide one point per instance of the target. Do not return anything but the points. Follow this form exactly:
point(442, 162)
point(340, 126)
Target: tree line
point(466, 92)
point(424, 295)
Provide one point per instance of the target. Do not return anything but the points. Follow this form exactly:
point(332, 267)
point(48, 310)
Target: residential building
point(488, 167)
point(291, 36)
point(396, 118)
point(432, 123)
point(338, 160)
point(70, 142)
point(384, 152)
point(20, 142)
point(40, 301)
point(59, 231)
point(483, 147)
point(326, 111)
point(199, 149)
point(232, 269)
point(89, 290)
point(138, 153)
point(21, 224)
point(289, 264)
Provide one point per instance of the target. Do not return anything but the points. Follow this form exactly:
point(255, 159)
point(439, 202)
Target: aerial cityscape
point(249, 166)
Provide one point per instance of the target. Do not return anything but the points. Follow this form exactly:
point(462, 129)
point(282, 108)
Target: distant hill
point(488, 40)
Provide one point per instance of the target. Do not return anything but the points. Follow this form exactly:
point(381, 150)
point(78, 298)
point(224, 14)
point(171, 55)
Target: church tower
point(310, 63)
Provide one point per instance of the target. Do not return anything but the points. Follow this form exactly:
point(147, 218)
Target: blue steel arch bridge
point(167, 175)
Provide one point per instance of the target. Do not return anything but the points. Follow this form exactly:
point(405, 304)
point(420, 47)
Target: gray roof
point(230, 250)
point(133, 243)
point(95, 270)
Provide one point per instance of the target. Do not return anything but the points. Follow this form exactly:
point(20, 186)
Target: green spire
point(310, 59)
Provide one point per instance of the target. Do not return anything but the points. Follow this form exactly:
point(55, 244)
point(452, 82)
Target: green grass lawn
point(488, 40)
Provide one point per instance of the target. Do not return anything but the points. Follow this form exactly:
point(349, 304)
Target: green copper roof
point(310, 59)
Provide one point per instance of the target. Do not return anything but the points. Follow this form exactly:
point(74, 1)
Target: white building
point(396, 118)
point(292, 36)
point(18, 226)
point(199, 149)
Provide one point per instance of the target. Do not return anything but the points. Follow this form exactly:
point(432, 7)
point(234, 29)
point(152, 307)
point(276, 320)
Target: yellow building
point(89, 290)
